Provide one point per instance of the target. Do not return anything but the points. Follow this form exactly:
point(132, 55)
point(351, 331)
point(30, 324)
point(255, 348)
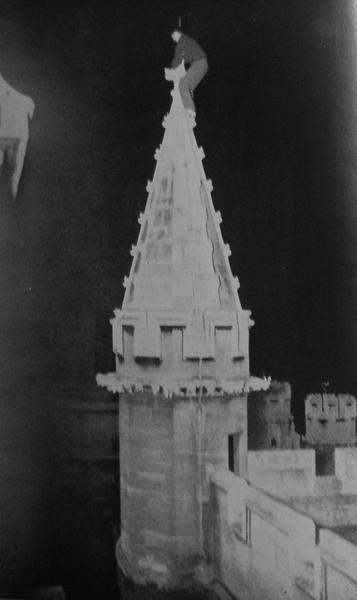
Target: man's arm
point(175, 74)
point(179, 53)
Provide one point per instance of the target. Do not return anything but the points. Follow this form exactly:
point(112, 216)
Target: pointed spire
point(180, 261)
point(180, 282)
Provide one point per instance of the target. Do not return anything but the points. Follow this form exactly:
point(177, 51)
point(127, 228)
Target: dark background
point(276, 119)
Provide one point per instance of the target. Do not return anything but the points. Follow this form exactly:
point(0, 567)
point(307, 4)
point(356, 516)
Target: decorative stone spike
point(157, 153)
point(209, 185)
point(141, 218)
point(192, 121)
point(227, 250)
point(249, 320)
point(164, 122)
point(236, 283)
point(218, 217)
point(117, 316)
point(126, 282)
point(133, 250)
point(149, 186)
point(201, 153)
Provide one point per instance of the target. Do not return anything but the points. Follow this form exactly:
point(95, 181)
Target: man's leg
point(186, 94)
point(12, 153)
point(196, 73)
point(190, 81)
point(8, 152)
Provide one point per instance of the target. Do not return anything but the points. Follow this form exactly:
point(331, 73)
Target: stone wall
point(330, 419)
point(335, 510)
point(293, 473)
point(283, 473)
point(262, 548)
point(270, 422)
point(346, 469)
point(165, 447)
point(338, 565)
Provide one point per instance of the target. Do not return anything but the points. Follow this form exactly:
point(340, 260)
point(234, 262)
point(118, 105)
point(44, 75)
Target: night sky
point(276, 120)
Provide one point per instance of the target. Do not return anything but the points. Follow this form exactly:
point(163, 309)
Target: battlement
point(273, 403)
point(330, 406)
point(330, 419)
point(270, 422)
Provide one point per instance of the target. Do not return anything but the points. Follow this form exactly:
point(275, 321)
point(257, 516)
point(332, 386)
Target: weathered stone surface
point(164, 484)
point(331, 510)
point(283, 473)
point(346, 469)
point(181, 309)
point(261, 548)
point(338, 560)
point(264, 548)
point(270, 422)
point(330, 419)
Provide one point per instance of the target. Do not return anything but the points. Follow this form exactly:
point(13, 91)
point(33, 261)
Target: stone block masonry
point(330, 419)
point(165, 448)
point(270, 422)
point(283, 473)
point(263, 548)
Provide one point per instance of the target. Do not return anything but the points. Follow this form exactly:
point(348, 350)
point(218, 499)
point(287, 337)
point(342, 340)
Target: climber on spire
point(189, 52)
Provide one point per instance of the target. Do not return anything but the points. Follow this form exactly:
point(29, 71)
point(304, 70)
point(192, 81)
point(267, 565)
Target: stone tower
point(270, 422)
point(182, 369)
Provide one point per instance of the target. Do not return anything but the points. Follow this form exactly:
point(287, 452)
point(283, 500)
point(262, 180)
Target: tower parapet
point(330, 419)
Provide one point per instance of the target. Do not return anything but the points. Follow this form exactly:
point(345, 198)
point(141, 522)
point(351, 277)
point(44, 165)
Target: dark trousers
point(8, 152)
point(190, 81)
